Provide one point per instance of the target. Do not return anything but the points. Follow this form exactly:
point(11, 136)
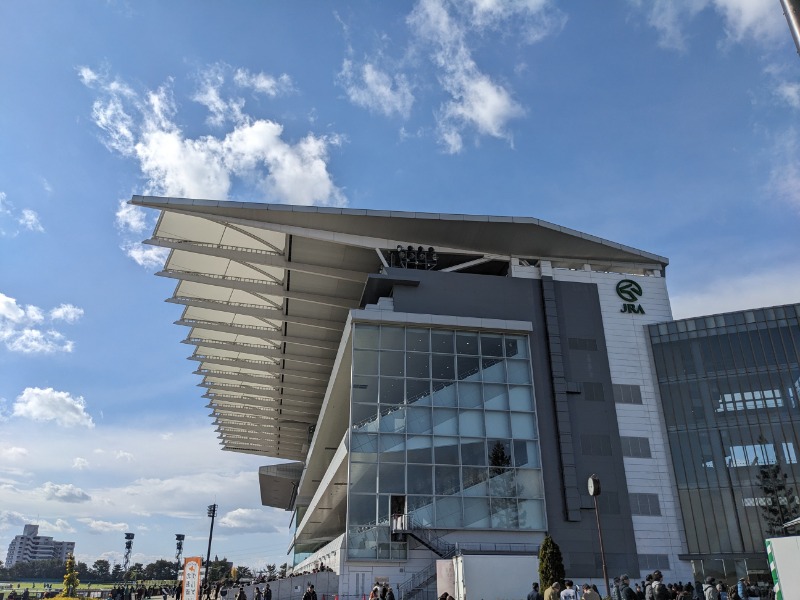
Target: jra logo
point(630, 291)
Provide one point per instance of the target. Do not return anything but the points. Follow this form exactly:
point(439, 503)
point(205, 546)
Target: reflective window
point(729, 390)
point(443, 426)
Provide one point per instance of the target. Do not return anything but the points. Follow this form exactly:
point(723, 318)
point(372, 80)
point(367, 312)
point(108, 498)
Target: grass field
point(83, 588)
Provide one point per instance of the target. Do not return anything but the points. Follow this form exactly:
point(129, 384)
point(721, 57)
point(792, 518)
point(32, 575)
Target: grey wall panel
point(577, 315)
point(580, 317)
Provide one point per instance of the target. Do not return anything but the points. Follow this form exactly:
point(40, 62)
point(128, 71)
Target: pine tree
point(780, 504)
point(71, 581)
point(551, 564)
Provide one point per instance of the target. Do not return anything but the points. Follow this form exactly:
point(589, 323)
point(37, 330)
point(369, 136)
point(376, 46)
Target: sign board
point(191, 577)
point(784, 555)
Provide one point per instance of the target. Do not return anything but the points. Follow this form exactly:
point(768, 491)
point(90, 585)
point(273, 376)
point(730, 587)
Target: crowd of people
point(652, 588)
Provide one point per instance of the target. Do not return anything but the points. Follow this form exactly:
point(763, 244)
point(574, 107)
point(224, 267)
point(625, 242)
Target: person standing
point(710, 590)
point(267, 593)
point(312, 595)
point(625, 589)
point(660, 591)
point(743, 587)
point(552, 593)
point(534, 593)
point(589, 593)
point(615, 595)
point(568, 593)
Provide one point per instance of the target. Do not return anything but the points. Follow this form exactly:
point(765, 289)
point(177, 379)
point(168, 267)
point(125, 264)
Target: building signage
point(191, 578)
point(630, 291)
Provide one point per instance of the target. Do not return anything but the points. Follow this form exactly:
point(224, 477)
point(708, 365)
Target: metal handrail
point(218, 246)
point(416, 583)
point(406, 522)
point(237, 325)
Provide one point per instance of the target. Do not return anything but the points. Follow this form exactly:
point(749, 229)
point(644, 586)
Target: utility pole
point(594, 492)
point(212, 512)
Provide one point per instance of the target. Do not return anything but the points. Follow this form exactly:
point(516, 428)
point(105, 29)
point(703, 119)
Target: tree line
point(101, 570)
point(220, 569)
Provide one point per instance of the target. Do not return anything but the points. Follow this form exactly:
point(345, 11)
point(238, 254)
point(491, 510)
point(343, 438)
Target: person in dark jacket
point(534, 593)
point(625, 589)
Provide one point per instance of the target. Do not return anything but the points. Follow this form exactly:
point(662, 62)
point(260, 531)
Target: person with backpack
point(660, 591)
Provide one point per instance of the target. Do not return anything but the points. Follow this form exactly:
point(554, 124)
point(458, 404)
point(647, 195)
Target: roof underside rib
point(266, 290)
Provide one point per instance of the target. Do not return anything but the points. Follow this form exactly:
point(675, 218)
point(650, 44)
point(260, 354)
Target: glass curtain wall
point(443, 428)
point(730, 387)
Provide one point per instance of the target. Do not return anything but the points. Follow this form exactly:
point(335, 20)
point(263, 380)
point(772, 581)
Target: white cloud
point(97, 526)
point(19, 329)
point(60, 526)
point(253, 153)
point(253, 520)
point(149, 257)
point(13, 453)
point(30, 220)
point(759, 20)
point(66, 312)
point(10, 310)
point(64, 492)
point(80, 463)
point(784, 181)
point(35, 341)
point(477, 101)
point(789, 93)
point(536, 19)
point(263, 83)
point(123, 455)
point(732, 293)
point(48, 404)
point(369, 87)
point(27, 218)
point(87, 75)
point(131, 218)
point(210, 96)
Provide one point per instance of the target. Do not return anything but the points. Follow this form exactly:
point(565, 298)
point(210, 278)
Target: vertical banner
point(191, 578)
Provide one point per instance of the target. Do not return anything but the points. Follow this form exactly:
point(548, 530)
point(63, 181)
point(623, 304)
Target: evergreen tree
point(780, 504)
point(283, 569)
point(551, 564)
point(71, 581)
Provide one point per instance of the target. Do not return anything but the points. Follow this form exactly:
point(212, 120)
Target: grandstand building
point(431, 383)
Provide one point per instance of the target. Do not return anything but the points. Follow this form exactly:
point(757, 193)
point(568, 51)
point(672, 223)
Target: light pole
point(594, 492)
point(128, 548)
point(179, 537)
point(212, 512)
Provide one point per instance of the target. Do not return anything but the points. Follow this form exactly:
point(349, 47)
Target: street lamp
point(128, 548)
point(179, 537)
point(594, 492)
point(212, 512)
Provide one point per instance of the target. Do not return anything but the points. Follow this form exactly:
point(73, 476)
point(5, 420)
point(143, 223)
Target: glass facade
point(730, 388)
point(443, 428)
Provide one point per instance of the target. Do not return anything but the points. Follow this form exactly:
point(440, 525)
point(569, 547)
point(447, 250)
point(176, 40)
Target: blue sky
point(670, 126)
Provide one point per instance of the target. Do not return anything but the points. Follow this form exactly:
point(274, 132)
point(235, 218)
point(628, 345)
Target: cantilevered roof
point(266, 290)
